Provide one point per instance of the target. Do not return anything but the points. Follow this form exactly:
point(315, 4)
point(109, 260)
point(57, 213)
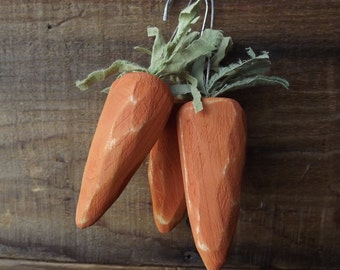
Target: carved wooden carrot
point(212, 148)
point(165, 178)
point(135, 113)
point(212, 145)
point(137, 107)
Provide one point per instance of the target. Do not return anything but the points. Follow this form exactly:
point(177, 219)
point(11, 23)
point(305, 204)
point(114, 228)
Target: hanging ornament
point(177, 112)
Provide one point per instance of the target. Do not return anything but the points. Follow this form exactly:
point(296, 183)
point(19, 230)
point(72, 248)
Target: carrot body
point(134, 114)
point(212, 149)
point(165, 178)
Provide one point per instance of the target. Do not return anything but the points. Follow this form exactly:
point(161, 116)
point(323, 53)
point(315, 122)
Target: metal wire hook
point(205, 16)
point(166, 9)
point(212, 15)
point(169, 2)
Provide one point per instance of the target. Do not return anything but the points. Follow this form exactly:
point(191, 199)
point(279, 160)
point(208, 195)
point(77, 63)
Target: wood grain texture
point(290, 208)
point(6, 264)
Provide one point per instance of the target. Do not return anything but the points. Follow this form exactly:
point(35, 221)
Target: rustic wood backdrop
point(290, 211)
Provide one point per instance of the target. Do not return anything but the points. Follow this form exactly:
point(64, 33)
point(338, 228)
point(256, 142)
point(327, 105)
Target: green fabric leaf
point(187, 17)
point(196, 95)
point(251, 82)
point(180, 89)
point(162, 53)
point(251, 53)
point(243, 69)
point(190, 88)
point(185, 41)
point(197, 71)
point(158, 45)
point(203, 46)
point(254, 66)
point(142, 50)
point(222, 50)
point(119, 66)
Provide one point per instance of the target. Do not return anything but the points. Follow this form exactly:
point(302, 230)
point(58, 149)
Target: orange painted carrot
point(134, 115)
point(212, 147)
point(135, 112)
point(212, 143)
point(165, 178)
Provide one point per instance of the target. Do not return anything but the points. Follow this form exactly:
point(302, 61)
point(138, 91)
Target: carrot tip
point(82, 224)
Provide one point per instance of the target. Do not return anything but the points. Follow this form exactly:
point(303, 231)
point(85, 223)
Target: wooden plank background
point(290, 211)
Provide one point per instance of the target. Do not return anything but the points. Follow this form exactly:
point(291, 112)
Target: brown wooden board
point(6, 264)
point(290, 210)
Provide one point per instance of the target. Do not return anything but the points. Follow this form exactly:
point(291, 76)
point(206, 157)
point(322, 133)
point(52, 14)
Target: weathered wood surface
point(290, 211)
point(6, 264)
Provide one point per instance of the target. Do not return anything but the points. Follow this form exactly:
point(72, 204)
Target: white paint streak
point(161, 220)
point(235, 113)
point(135, 129)
point(133, 100)
point(98, 187)
point(150, 169)
point(83, 221)
point(225, 168)
point(202, 246)
point(198, 229)
point(110, 144)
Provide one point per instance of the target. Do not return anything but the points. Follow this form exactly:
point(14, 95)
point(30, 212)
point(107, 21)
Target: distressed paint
point(213, 141)
point(134, 128)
